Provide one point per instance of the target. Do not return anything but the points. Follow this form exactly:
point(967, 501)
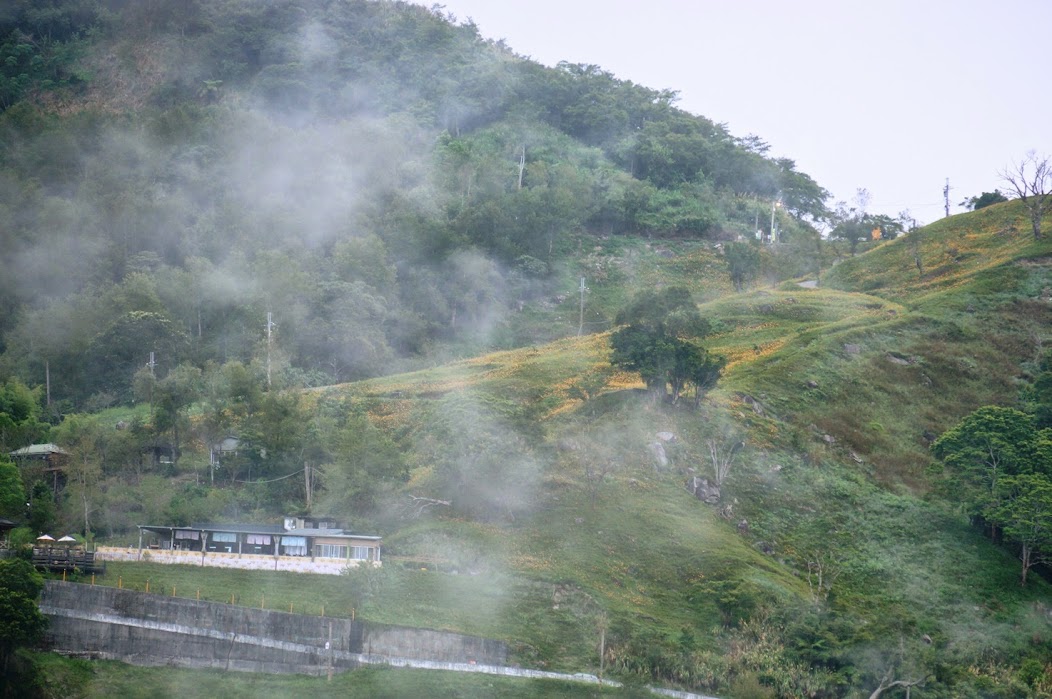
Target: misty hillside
point(391, 186)
point(354, 234)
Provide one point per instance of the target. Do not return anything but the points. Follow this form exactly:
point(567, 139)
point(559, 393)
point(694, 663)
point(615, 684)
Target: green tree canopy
point(21, 621)
point(658, 339)
point(743, 262)
point(20, 423)
point(1023, 509)
point(12, 494)
point(989, 443)
point(984, 200)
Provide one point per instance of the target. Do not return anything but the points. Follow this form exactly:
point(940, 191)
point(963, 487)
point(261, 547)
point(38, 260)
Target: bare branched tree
point(420, 505)
point(886, 683)
point(822, 571)
point(1031, 180)
point(722, 455)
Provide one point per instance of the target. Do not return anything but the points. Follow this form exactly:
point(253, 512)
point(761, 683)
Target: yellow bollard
point(63, 575)
point(323, 610)
point(198, 594)
point(290, 607)
point(120, 583)
point(231, 598)
point(147, 584)
point(173, 590)
point(352, 613)
point(262, 600)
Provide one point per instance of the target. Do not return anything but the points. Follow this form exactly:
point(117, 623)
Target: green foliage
point(20, 416)
point(657, 341)
point(38, 48)
point(988, 444)
point(19, 577)
point(1022, 506)
point(743, 262)
point(983, 200)
point(361, 463)
point(12, 494)
point(21, 622)
point(41, 511)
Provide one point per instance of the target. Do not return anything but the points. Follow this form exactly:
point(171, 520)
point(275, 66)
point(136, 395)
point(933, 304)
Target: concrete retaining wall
point(147, 629)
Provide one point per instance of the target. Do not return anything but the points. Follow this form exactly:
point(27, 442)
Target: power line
point(272, 480)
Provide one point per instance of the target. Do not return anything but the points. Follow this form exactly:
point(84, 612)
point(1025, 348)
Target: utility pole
point(946, 196)
point(153, 377)
point(580, 322)
point(522, 164)
point(774, 205)
point(270, 338)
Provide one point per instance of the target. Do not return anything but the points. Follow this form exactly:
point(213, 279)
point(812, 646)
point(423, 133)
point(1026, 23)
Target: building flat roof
point(330, 533)
point(274, 529)
point(239, 528)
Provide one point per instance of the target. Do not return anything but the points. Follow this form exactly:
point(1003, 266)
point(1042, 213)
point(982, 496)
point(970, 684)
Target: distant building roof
point(6, 524)
point(332, 533)
point(240, 528)
point(39, 450)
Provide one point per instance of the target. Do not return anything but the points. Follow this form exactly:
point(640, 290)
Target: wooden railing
point(59, 559)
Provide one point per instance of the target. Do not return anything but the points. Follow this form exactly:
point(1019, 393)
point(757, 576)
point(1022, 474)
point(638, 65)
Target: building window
point(360, 553)
point(330, 551)
point(294, 545)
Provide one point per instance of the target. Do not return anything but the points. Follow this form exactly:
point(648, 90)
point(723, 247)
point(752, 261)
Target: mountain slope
point(834, 393)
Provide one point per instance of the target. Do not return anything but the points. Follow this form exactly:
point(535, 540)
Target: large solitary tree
point(1031, 179)
point(659, 340)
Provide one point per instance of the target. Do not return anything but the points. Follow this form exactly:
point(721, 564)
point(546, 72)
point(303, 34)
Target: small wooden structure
point(67, 556)
point(51, 459)
point(69, 560)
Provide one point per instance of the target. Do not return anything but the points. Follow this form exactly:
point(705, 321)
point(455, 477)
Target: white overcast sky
point(891, 95)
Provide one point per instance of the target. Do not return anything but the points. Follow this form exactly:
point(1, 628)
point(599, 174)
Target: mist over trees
point(377, 176)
